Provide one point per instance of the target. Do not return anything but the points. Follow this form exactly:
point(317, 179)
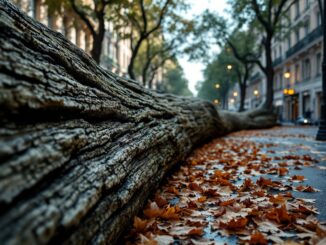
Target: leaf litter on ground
point(224, 190)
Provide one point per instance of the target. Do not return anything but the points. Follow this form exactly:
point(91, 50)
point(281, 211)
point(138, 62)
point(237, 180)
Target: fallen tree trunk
point(81, 148)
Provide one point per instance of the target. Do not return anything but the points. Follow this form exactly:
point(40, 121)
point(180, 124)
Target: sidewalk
point(249, 187)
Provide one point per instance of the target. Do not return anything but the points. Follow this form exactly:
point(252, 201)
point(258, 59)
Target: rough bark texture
point(80, 148)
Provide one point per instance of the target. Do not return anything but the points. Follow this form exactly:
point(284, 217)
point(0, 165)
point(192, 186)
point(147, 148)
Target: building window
point(280, 48)
point(306, 27)
point(297, 35)
point(307, 4)
point(297, 9)
point(289, 42)
point(297, 73)
point(318, 64)
point(306, 69)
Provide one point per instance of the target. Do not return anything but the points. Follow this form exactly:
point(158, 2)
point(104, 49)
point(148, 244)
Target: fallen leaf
point(196, 232)
point(235, 224)
point(153, 211)
point(258, 239)
point(139, 224)
point(160, 201)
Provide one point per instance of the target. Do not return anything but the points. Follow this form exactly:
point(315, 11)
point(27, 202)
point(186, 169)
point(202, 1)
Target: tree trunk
point(81, 149)
point(268, 104)
point(97, 48)
point(243, 86)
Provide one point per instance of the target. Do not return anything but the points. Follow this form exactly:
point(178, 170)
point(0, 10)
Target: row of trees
point(156, 29)
point(245, 42)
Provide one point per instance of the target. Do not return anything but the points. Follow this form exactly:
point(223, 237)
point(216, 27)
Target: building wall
point(300, 55)
point(116, 52)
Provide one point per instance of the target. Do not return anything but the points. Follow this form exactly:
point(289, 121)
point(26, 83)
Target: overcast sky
point(193, 70)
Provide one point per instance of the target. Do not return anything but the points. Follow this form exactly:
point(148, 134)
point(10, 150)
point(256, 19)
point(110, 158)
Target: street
point(255, 186)
point(299, 141)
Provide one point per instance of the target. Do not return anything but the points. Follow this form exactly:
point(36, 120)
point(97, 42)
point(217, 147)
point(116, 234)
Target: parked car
point(303, 121)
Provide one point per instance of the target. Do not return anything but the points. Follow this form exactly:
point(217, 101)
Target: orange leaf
point(305, 188)
point(153, 211)
point(211, 193)
point(247, 185)
point(220, 212)
point(196, 232)
point(139, 224)
point(257, 239)
point(195, 187)
point(227, 202)
point(192, 204)
point(171, 213)
point(160, 201)
point(235, 224)
point(202, 199)
point(278, 199)
point(260, 193)
point(173, 190)
point(221, 174)
point(282, 171)
point(298, 177)
point(279, 215)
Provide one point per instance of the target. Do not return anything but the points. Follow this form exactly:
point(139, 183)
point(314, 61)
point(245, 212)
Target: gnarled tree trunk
point(81, 148)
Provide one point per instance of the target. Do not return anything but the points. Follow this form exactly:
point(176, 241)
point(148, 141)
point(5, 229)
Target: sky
point(193, 70)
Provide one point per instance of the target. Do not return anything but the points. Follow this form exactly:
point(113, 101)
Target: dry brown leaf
point(258, 239)
point(282, 171)
point(196, 232)
point(152, 211)
point(235, 224)
point(160, 201)
point(171, 213)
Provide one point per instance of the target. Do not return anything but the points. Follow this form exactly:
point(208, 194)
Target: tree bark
point(269, 72)
point(81, 149)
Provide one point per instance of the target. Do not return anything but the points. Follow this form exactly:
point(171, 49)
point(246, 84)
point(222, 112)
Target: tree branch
point(144, 16)
point(82, 15)
point(260, 16)
point(161, 17)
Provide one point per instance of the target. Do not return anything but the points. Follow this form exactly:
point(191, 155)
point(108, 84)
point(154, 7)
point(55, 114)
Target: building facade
point(297, 61)
point(116, 52)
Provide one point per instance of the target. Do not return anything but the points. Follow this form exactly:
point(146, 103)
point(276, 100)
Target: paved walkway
point(250, 187)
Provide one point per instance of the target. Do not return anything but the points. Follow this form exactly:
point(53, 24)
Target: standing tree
point(145, 18)
point(242, 46)
point(152, 56)
point(269, 18)
point(94, 15)
point(217, 79)
point(174, 80)
point(165, 45)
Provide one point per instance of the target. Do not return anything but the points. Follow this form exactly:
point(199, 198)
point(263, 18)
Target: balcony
point(312, 36)
point(277, 61)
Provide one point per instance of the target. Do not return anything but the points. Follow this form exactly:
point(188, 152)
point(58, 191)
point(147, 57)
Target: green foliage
point(174, 81)
point(216, 72)
point(157, 33)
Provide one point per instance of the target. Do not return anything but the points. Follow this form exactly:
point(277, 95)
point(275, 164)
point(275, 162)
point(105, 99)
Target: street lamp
point(256, 92)
point(216, 101)
point(235, 94)
point(217, 86)
point(287, 75)
point(321, 134)
point(229, 67)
